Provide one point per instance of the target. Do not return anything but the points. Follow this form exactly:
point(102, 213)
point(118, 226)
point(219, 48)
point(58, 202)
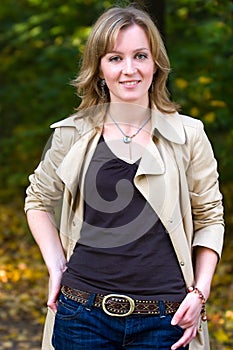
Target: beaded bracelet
point(203, 301)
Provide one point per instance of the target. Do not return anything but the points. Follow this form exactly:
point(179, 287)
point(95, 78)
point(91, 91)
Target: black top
point(123, 248)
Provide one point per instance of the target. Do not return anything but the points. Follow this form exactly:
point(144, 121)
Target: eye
point(114, 59)
point(141, 56)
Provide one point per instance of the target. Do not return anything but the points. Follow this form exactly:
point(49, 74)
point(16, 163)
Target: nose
point(129, 67)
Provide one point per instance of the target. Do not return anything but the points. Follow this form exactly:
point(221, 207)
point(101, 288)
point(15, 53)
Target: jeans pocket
point(177, 328)
point(68, 309)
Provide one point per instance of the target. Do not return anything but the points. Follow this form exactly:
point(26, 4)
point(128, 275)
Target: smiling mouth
point(130, 83)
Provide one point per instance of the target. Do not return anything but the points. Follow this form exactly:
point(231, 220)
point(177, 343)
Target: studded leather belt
point(121, 305)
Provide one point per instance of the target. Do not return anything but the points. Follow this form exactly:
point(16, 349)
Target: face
point(128, 69)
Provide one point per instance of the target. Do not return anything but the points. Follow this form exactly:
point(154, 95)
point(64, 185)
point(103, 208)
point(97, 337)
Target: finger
point(187, 322)
point(52, 305)
point(178, 316)
point(185, 314)
point(188, 335)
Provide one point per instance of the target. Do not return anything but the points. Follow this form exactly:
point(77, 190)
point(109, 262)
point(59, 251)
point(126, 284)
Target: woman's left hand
point(187, 317)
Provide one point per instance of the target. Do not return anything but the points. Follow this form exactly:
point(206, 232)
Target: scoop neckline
point(115, 156)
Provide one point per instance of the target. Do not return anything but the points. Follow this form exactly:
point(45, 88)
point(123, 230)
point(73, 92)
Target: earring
point(102, 86)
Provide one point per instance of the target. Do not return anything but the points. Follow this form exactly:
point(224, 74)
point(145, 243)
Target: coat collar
point(82, 120)
point(169, 126)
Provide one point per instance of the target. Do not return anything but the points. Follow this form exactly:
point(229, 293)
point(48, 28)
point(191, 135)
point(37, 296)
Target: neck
point(128, 113)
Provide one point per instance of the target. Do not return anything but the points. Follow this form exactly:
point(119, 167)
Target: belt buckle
point(118, 296)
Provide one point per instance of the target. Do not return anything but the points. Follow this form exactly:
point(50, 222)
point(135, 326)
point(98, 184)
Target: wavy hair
point(102, 39)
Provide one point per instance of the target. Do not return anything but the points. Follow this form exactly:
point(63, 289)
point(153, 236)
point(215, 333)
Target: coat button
point(73, 223)
point(182, 263)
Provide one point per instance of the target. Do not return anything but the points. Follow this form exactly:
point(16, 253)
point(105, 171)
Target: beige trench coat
point(177, 175)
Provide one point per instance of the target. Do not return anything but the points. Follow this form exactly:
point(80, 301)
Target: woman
point(141, 223)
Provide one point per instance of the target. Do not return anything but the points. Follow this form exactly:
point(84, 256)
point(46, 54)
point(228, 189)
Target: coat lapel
point(157, 177)
point(151, 162)
point(169, 126)
point(72, 165)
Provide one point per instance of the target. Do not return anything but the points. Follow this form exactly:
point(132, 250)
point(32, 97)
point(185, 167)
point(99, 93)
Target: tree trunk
point(156, 9)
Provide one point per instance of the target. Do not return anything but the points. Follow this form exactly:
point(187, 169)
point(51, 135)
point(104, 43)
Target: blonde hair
point(101, 40)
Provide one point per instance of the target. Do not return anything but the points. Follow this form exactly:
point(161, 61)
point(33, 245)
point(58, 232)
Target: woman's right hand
point(46, 235)
point(54, 290)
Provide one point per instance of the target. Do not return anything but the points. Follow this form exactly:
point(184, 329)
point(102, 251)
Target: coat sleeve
point(206, 199)
point(46, 188)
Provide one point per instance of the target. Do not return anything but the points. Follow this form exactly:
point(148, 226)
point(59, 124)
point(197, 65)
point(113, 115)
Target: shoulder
point(175, 127)
point(73, 121)
point(67, 131)
point(81, 122)
point(71, 129)
point(190, 122)
point(194, 129)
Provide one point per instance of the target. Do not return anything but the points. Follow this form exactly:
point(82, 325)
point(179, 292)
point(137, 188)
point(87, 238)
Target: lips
point(130, 83)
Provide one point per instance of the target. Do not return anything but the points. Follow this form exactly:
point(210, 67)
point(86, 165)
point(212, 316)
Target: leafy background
point(41, 45)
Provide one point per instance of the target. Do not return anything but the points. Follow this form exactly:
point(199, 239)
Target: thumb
point(177, 316)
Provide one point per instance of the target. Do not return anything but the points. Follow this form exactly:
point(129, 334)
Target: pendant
point(127, 139)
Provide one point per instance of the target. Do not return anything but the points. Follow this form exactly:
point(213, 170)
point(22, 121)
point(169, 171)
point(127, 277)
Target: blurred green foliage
point(41, 43)
point(200, 46)
point(41, 46)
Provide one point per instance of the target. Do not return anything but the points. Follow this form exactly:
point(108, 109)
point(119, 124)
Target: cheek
point(111, 76)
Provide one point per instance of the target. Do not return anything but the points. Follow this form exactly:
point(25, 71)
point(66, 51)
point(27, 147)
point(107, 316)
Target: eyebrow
point(119, 52)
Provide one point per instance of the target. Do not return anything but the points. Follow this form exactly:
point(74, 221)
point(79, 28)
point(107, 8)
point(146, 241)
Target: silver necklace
point(128, 138)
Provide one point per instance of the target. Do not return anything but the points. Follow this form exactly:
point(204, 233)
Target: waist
point(121, 305)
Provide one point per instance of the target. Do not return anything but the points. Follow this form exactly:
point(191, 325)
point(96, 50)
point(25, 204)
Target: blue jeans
point(83, 327)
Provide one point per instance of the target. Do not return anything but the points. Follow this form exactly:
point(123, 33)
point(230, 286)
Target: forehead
point(129, 37)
